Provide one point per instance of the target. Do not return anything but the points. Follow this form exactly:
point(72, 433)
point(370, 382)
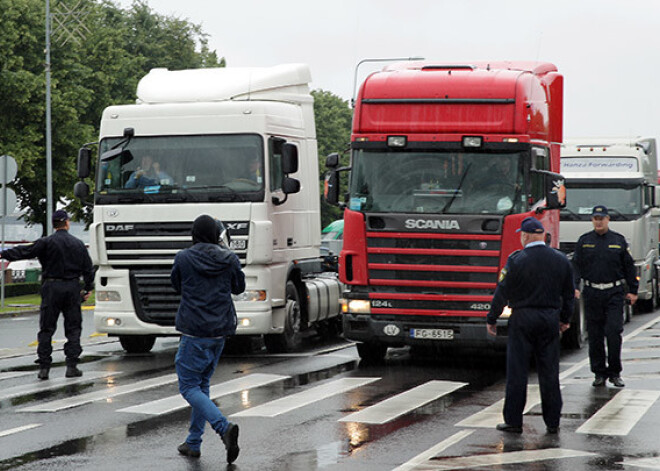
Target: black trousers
point(56, 297)
point(533, 332)
point(604, 314)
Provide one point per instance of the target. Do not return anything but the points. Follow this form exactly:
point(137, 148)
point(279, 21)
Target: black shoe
point(552, 430)
point(43, 373)
point(72, 372)
point(230, 439)
point(599, 381)
point(617, 381)
point(508, 428)
point(185, 450)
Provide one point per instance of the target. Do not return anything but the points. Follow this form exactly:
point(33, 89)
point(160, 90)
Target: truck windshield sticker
point(599, 164)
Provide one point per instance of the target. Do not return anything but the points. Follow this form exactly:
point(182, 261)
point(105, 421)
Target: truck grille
point(432, 274)
point(130, 244)
point(154, 298)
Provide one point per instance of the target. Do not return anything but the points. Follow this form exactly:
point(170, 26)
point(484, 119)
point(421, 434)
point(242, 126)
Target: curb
point(36, 310)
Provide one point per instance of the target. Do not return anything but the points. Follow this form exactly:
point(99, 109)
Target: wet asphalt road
point(417, 411)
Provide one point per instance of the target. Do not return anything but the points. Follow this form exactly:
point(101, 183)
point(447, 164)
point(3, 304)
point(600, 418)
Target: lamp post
point(49, 164)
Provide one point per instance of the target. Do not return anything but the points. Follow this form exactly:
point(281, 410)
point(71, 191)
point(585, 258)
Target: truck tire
point(576, 336)
point(137, 343)
point(372, 352)
point(291, 338)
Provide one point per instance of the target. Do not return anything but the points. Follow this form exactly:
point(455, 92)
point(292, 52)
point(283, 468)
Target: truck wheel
point(137, 343)
point(290, 339)
point(576, 336)
point(372, 352)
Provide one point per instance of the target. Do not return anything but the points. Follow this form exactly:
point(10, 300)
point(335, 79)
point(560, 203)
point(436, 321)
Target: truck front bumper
point(398, 332)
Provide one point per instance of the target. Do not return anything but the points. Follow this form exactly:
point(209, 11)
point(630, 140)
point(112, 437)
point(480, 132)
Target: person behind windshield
point(148, 173)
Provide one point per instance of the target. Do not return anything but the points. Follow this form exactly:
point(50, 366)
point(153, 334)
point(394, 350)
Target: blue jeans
point(195, 363)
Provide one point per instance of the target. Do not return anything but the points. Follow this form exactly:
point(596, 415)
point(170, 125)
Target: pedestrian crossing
point(380, 402)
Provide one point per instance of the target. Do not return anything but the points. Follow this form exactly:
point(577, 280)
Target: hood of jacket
point(210, 259)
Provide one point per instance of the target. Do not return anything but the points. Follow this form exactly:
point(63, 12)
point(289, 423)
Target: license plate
point(434, 334)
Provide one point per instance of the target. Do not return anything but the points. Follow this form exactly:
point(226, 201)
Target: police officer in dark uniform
point(64, 259)
point(537, 284)
point(603, 262)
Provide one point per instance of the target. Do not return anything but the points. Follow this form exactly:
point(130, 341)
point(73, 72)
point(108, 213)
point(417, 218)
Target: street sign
point(11, 201)
point(8, 162)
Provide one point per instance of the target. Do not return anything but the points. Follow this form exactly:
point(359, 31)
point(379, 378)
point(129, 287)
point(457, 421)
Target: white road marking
point(649, 463)
point(301, 399)
point(492, 415)
point(434, 450)
point(499, 459)
point(621, 413)
point(403, 403)
point(15, 374)
point(53, 383)
point(112, 391)
point(11, 431)
point(174, 403)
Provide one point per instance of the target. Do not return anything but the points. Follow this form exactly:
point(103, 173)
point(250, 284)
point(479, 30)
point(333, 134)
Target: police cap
point(531, 225)
point(60, 215)
point(599, 210)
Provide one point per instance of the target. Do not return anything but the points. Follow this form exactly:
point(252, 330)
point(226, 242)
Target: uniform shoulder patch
point(502, 275)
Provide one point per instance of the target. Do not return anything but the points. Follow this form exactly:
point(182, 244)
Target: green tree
point(119, 47)
point(333, 134)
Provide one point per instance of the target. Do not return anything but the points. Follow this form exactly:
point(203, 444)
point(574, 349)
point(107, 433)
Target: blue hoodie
point(206, 275)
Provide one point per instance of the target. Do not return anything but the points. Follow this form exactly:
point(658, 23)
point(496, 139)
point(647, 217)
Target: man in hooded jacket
point(205, 275)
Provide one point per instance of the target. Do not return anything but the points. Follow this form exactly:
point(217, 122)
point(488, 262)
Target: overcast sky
point(607, 50)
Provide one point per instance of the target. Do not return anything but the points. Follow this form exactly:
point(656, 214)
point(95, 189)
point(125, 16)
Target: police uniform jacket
point(62, 257)
point(604, 259)
point(537, 277)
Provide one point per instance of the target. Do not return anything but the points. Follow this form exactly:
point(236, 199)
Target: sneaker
point(43, 373)
point(617, 381)
point(230, 439)
point(599, 381)
point(508, 428)
point(552, 430)
point(185, 450)
point(72, 372)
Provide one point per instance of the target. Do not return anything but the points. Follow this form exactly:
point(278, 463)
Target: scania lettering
point(239, 145)
point(446, 161)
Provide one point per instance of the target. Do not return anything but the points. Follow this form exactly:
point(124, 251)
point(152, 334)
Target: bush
point(21, 289)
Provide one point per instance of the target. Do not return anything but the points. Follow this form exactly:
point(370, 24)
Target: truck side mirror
point(84, 162)
point(332, 160)
point(555, 190)
point(81, 190)
point(331, 187)
point(290, 185)
point(289, 158)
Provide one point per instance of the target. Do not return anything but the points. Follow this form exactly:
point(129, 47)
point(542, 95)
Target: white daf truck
point(238, 144)
point(622, 174)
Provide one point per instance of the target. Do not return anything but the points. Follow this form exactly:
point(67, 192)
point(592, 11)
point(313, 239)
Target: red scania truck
point(446, 161)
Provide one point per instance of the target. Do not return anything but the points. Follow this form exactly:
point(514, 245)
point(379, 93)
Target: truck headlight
point(250, 295)
point(104, 296)
point(359, 306)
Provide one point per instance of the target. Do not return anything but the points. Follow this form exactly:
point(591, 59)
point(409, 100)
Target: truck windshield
point(624, 200)
point(186, 168)
point(436, 182)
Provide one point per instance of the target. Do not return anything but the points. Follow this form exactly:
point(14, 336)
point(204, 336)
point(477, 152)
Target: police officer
point(64, 259)
point(603, 262)
point(537, 284)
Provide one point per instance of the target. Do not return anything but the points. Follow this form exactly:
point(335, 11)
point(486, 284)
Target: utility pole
point(49, 150)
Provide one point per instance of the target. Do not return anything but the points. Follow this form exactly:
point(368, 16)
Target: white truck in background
point(622, 174)
point(238, 144)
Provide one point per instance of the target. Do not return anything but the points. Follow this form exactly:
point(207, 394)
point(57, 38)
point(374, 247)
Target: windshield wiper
point(621, 215)
point(187, 194)
point(458, 189)
point(575, 216)
point(234, 195)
